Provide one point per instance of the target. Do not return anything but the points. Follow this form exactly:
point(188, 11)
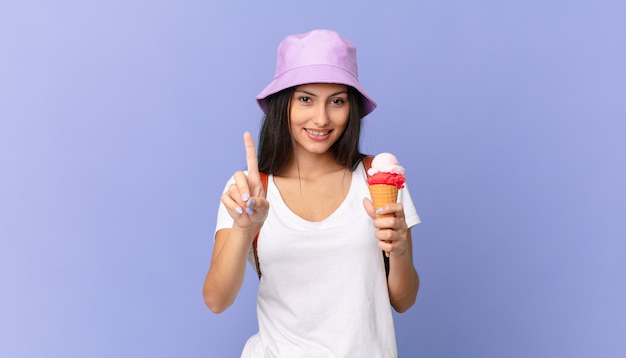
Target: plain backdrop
point(120, 122)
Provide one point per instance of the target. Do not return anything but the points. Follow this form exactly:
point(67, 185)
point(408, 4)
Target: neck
point(311, 165)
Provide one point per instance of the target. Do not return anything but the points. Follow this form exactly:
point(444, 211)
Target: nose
point(321, 118)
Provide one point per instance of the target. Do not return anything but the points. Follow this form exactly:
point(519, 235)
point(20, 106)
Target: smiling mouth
point(317, 133)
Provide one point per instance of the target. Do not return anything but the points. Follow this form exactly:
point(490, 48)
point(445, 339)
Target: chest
point(290, 246)
point(314, 200)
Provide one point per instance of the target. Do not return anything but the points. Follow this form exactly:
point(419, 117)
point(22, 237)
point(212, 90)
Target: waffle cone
point(383, 194)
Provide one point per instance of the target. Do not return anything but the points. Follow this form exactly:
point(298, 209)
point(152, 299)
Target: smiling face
point(318, 116)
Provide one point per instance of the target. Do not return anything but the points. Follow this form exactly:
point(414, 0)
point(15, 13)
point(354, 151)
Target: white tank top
point(323, 290)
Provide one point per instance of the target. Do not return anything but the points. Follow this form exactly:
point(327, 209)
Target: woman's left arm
point(403, 281)
point(395, 238)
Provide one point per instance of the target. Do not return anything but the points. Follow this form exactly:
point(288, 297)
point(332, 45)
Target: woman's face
point(319, 114)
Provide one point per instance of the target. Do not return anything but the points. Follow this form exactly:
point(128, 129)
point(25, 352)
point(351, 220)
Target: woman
point(323, 289)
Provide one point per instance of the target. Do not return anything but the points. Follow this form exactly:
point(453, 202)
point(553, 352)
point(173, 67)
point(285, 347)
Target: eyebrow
point(313, 94)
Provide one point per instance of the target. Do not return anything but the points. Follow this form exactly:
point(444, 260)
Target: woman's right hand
point(245, 199)
point(246, 204)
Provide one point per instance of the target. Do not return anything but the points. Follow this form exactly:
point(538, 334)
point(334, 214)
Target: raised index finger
point(251, 159)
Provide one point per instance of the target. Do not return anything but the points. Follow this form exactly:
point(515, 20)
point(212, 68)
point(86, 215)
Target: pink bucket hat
point(319, 56)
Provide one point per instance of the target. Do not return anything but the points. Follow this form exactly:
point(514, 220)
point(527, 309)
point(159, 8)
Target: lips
point(317, 133)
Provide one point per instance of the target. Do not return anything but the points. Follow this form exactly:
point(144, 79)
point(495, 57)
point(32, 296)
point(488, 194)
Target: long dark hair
point(275, 142)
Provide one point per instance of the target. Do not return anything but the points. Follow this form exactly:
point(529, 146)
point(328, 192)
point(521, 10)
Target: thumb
point(369, 208)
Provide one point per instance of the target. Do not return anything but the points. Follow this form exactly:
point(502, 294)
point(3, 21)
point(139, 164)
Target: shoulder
point(264, 178)
point(367, 161)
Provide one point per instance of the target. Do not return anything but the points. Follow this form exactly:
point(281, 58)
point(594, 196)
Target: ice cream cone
point(384, 177)
point(383, 194)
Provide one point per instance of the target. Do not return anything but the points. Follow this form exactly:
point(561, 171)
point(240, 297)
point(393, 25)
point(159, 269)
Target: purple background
point(120, 122)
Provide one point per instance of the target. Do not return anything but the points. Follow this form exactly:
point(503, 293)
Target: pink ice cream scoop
point(386, 170)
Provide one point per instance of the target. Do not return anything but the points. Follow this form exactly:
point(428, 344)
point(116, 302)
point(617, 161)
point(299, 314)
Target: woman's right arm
point(246, 204)
point(228, 267)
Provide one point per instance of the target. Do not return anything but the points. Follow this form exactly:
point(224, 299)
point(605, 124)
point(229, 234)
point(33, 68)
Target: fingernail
point(239, 210)
point(251, 203)
point(379, 211)
point(245, 197)
point(249, 211)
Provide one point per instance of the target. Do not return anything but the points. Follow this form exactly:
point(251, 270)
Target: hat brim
point(315, 74)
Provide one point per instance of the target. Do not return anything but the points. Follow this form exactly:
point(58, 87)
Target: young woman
point(323, 290)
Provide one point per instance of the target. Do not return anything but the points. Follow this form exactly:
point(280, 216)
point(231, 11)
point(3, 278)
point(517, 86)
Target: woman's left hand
point(392, 230)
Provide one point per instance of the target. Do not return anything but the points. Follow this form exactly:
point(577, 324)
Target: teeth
point(317, 133)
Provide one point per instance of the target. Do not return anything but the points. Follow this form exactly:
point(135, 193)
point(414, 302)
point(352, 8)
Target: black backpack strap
point(367, 164)
point(256, 238)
